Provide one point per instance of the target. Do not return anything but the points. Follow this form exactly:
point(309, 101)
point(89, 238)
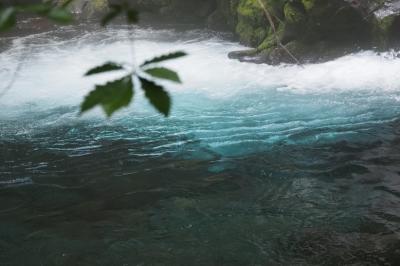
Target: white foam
point(53, 72)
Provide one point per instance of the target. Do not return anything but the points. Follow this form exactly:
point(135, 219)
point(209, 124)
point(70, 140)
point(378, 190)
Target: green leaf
point(111, 96)
point(132, 16)
point(164, 58)
point(157, 96)
point(115, 11)
point(163, 73)
point(7, 18)
point(109, 66)
point(60, 15)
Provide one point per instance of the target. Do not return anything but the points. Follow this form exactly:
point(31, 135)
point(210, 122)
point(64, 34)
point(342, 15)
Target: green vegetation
point(252, 26)
point(119, 93)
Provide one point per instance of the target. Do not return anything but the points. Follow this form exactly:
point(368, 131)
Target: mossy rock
point(271, 40)
point(387, 31)
point(252, 27)
point(294, 13)
point(251, 12)
point(249, 35)
point(381, 30)
point(308, 4)
point(268, 43)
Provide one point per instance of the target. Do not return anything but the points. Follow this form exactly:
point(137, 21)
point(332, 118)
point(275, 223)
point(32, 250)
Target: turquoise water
point(258, 165)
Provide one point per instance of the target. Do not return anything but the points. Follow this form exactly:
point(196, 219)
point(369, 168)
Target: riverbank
point(275, 31)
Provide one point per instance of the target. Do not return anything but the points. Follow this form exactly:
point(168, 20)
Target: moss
point(252, 26)
point(308, 4)
point(322, 8)
point(250, 35)
point(270, 41)
point(250, 11)
point(386, 23)
point(380, 31)
point(294, 13)
point(259, 35)
point(99, 5)
point(386, 31)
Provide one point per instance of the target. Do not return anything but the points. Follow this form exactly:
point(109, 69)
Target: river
point(257, 164)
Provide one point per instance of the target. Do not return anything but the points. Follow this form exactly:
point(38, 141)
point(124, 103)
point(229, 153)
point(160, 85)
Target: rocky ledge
point(302, 31)
point(315, 30)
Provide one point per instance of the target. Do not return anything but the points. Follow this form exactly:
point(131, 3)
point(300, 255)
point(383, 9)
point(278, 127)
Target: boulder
point(314, 30)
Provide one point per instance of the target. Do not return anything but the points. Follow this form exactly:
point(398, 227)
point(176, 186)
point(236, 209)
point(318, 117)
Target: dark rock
point(314, 30)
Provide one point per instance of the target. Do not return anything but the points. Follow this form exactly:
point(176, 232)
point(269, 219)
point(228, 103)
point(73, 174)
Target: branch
point(272, 24)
